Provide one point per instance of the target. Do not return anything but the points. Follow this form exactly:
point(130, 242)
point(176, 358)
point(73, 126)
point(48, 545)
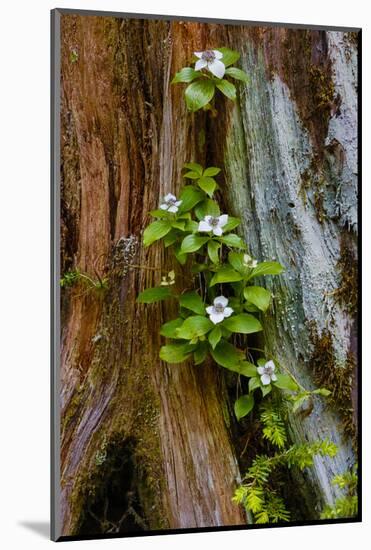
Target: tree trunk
point(288, 148)
point(290, 159)
point(125, 138)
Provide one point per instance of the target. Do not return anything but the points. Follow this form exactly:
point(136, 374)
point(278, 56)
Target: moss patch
point(347, 293)
point(339, 379)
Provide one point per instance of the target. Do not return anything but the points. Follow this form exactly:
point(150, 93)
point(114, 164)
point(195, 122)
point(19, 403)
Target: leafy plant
point(213, 72)
point(255, 492)
point(347, 505)
point(75, 276)
point(208, 319)
point(225, 302)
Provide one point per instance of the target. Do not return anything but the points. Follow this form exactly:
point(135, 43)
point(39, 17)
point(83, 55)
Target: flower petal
point(216, 318)
point(266, 379)
point(173, 208)
point(217, 68)
point(169, 197)
point(204, 226)
point(228, 311)
point(221, 300)
point(200, 64)
point(178, 203)
point(270, 364)
point(208, 219)
point(210, 309)
point(217, 54)
point(164, 206)
point(260, 370)
point(198, 54)
point(274, 377)
point(218, 231)
point(223, 220)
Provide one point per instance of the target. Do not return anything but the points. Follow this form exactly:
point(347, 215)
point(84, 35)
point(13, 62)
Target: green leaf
point(211, 171)
point(229, 56)
point(194, 327)
point(207, 184)
point(200, 353)
point(322, 391)
point(214, 336)
point(194, 166)
point(191, 226)
point(266, 268)
point(225, 275)
point(258, 296)
point(285, 382)
point(169, 329)
point(227, 88)
point(185, 216)
point(190, 196)
point(198, 268)
point(243, 405)
point(207, 207)
point(213, 249)
point(199, 93)
point(180, 256)
point(187, 74)
point(191, 243)
point(159, 214)
point(248, 369)
point(232, 223)
point(226, 355)
point(233, 240)
point(192, 175)
point(236, 261)
point(155, 231)
point(192, 301)
point(250, 308)
point(254, 383)
point(171, 238)
point(265, 389)
point(237, 74)
point(300, 400)
point(179, 224)
point(155, 294)
point(242, 323)
point(176, 353)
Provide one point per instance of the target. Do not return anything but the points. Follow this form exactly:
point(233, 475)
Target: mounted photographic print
point(205, 284)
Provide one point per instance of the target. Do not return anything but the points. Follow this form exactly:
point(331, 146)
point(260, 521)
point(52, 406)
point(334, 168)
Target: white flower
point(210, 60)
point(169, 279)
point(248, 261)
point(267, 373)
point(219, 310)
point(214, 224)
point(170, 204)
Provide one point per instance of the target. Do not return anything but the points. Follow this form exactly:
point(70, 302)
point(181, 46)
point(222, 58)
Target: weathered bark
point(287, 141)
point(125, 139)
point(290, 157)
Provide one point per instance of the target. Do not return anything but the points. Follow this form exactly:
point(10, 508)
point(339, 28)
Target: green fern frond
point(274, 427)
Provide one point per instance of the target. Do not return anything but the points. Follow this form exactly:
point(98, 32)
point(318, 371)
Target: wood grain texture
point(128, 135)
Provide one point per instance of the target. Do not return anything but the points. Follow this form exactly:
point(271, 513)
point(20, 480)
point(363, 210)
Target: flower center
point(219, 308)
point(208, 56)
point(214, 221)
point(171, 202)
point(268, 370)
